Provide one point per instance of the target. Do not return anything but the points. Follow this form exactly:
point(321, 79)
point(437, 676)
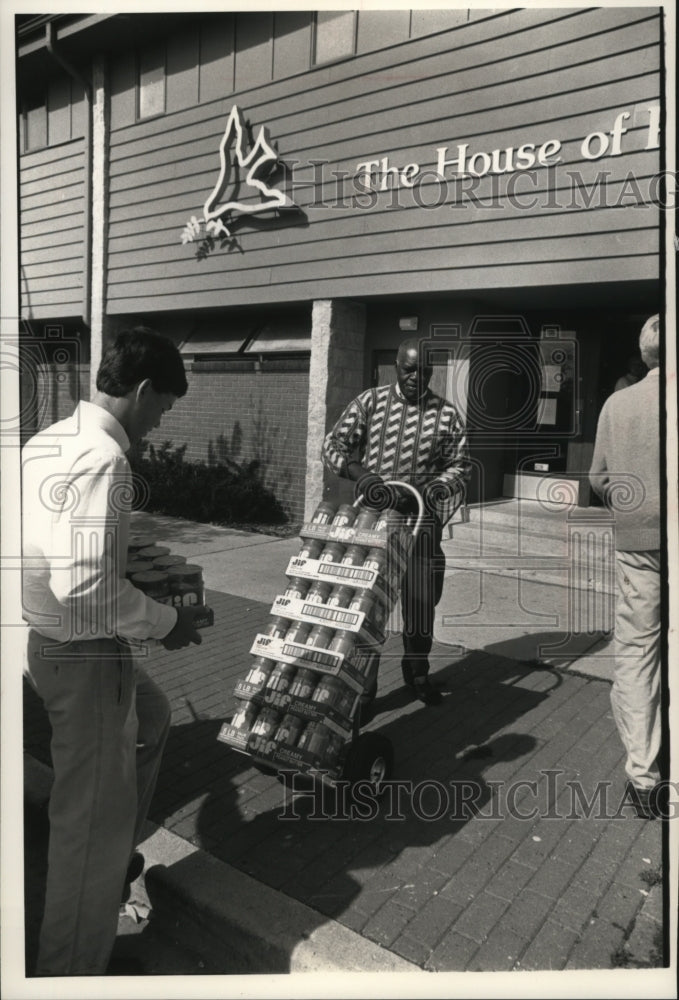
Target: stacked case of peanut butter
point(297, 701)
point(167, 578)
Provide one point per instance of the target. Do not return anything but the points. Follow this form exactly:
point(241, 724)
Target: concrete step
point(586, 549)
point(510, 508)
point(525, 527)
point(512, 539)
point(225, 921)
point(535, 516)
point(560, 568)
point(218, 911)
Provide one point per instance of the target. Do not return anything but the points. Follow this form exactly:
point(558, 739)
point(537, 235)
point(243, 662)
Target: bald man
point(405, 431)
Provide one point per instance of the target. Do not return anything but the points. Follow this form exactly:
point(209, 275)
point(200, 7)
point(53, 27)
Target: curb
point(236, 924)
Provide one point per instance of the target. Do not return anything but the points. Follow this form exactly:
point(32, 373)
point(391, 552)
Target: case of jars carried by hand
point(166, 577)
point(313, 660)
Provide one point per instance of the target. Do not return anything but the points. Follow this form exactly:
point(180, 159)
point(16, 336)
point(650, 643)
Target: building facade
point(289, 194)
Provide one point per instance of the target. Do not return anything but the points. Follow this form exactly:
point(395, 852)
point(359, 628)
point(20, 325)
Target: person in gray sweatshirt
point(625, 472)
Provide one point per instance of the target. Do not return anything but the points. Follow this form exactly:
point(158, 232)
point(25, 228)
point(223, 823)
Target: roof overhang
point(80, 36)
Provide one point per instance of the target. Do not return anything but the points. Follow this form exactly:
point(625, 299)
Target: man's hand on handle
point(370, 486)
point(184, 631)
point(377, 494)
point(406, 502)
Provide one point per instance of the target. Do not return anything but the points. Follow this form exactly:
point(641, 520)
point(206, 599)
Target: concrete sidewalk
point(485, 860)
point(502, 611)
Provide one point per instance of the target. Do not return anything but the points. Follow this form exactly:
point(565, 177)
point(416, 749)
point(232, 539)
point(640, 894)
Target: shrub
point(215, 493)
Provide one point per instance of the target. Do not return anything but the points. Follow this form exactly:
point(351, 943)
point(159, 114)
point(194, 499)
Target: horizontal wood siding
point(525, 76)
point(51, 197)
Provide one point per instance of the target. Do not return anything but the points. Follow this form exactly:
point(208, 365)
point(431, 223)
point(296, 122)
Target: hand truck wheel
point(370, 758)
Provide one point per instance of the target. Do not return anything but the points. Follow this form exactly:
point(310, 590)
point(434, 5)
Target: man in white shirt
point(109, 720)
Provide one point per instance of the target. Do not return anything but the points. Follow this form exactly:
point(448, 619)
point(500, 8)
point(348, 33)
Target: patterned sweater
point(421, 443)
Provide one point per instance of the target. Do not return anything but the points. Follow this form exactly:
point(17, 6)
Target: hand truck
point(287, 727)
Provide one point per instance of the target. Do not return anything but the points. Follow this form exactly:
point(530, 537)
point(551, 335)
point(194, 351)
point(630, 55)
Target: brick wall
point(243, 416)
point(236, 416)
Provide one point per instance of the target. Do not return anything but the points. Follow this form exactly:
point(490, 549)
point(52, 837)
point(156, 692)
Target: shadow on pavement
point(556, 648)
point(342, 861)
point(325, 852)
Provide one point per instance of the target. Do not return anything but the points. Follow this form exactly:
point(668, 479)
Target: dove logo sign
point(220, 204)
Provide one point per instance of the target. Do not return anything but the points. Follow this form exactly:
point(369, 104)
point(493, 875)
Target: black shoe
point(425, 692)
point(640, 799)
point(135, 868)
point(413, 667)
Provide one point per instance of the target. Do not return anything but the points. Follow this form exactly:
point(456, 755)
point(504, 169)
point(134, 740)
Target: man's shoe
point(135, 868)
point(426, 692)
point(640, 799)
point(413, 667)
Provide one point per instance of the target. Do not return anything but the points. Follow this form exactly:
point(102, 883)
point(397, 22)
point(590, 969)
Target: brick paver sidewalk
point(484, 859)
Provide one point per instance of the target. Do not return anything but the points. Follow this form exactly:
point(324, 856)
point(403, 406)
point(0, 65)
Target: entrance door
point(383, 367)
point(503, 393)
point(556, 409)
point(579, 371)
point(527, 382)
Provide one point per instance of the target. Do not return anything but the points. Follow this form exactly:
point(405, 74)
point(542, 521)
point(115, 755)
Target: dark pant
point(420, 593)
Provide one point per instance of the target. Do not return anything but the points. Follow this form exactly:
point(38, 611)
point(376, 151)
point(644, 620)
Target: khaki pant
point(109, 727)
point(635, 695)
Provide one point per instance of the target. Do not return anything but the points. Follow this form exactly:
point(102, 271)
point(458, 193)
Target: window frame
point(157, 114)
point(314, 37)
point(25, 148)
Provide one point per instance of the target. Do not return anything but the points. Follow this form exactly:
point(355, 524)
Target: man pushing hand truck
point(404, 431)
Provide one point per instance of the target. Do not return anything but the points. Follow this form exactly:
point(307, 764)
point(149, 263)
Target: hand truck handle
point(416, 494)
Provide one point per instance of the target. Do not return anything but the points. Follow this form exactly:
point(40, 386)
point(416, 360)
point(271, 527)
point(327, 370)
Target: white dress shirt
point(76, 495)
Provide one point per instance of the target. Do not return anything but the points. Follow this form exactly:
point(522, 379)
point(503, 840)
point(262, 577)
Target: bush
point(215, 493)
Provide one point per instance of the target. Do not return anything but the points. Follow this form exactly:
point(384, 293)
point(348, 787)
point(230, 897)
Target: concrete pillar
point(100, 125)
point(335, 377)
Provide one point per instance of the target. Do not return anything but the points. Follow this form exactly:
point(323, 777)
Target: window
point(335, 35)
point(35, 123)
point(151, 82)
point(52, 116)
